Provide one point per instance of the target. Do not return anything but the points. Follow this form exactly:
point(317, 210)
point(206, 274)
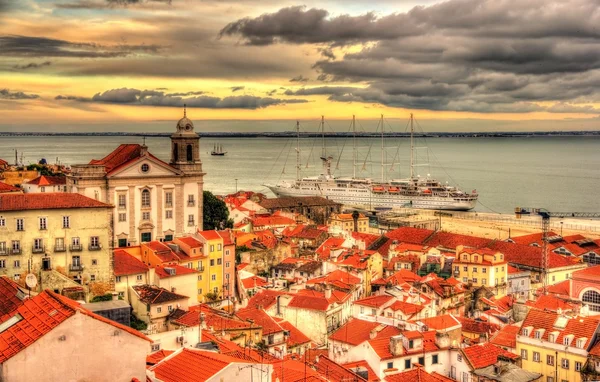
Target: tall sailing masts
point(297, 150)
point(324, 153)
point(354, 148)
point(382, 152)
point(412, 147)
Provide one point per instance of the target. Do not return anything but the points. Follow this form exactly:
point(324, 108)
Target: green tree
point(216, 214)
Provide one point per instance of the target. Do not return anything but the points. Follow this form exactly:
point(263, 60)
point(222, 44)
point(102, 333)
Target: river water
point(557, 173)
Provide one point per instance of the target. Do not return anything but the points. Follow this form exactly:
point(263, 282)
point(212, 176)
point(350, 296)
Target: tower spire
point(184, 111)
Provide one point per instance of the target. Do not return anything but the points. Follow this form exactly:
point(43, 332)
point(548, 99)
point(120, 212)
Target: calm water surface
point(557, 173)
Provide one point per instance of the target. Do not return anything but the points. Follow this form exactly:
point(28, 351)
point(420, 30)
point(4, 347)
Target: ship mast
point(412, 147)
point(382, 152)
point(297, 150)
point(324, 153)
point(354, 148)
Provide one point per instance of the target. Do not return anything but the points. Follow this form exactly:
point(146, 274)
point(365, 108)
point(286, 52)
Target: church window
point(145, 167)
point(145, 198)
point(189, 153)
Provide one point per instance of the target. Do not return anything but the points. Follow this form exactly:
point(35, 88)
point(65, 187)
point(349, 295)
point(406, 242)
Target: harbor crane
point(546, 215)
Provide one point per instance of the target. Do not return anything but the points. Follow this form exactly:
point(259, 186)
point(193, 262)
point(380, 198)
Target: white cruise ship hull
point(365, 197)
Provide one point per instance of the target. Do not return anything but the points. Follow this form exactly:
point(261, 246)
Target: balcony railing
point(191, 223)
point(94, 247)
point(76, 267)
point(40, 249)
point(200, 269)
point(15, 251)
point(191, 203)
point(76, 247)
point(4, 251)
point(60, 248)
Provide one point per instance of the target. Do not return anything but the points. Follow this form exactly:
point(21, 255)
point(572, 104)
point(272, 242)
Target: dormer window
point(537, 334)
point(552, 337)
point(580, 342)
point(567, 340)
point(526, 332)
point(145, 168)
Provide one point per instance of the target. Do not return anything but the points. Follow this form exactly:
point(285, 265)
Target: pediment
point(144, 167)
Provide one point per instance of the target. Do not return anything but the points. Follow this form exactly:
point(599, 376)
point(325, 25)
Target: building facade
point(481, 267)
point(153, 200)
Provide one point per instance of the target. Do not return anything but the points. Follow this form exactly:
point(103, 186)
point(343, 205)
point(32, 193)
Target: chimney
point(442, 340)
point(144, 149)
point(355, 216)
point(115, 296)
point(328, 292)
point(396, 345)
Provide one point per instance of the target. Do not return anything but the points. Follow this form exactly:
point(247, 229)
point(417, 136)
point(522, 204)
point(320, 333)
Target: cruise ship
point(414, 191)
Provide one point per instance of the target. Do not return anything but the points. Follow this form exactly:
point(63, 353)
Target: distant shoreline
point(289, 134)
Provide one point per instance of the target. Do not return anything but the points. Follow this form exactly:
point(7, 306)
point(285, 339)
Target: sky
point(458, 65)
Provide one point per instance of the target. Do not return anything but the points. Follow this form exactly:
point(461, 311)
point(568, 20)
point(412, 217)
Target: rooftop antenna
point(144, 140)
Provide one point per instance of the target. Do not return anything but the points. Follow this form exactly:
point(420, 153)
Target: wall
point(312, 323)
point(122, 287)
point(559, 351)
point(91, 351)
point(182, 284)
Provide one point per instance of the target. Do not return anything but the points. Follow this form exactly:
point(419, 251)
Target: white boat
point(415, 191)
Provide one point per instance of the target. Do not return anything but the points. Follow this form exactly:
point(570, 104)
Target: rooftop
point(485, 354)
point(374, 301)
point(579, 327)
point(8, 188)
point(125, 264)
point(357, 331)
point(149, 294)
point(506, 337)
point(417, 374)
point(167, 271)
point(45, 180)
point(290, 202)
point(47, 201)
point(260, 318)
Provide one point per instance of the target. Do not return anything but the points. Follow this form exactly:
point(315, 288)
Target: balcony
point(15, 251)
point(191, 223)
point(200, 269)
point(40, 249)
point(4, 251)
point(76, 247)
point(60, 248)
point(94, 247)
point(75, 267)
point(191, 203)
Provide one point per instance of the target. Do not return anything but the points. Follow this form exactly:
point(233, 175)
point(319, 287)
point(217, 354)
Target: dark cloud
point(299, 78)
point(327, 53)
point(101, 4)
point(129, 96)
point(27, 46)
point(237, 88)
point(186, 94)
point(7, 94)
point(32, 65)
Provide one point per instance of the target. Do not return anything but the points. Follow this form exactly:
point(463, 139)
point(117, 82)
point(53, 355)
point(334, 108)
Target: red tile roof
point(531, 238)
point(125, 264)
point(254, 282)
point(190, 241)
point(562, 288)
point(262, 221)
point(45, 180)
point(215, 319)
point(8, 188)
point(506, 337)
point(163, 272)
point(470, 325)
point(210, 235)
point(591, 273)
point(336, 277)
point(39, 315)
point(417, 374)
point(123, 155)
point(264, 299)
point(12, 296)
point(406, 308)
point(309, 302)
point(595, 350)
point(367, 238)
point(409, 235)
point(374, 301)
point(291, 370)
point(444, 322)
point(149, 294)
point(227, 236)
point(296, 337)
point(580, 327)
point(356, 331)
point(333, 371)
point(47, 201)
point(551, 303)
point(194, 365)
point(260, 318)
point(327, 245)
point(381, 345)
point(154, 358)
point(362, 365)
point(485, 354)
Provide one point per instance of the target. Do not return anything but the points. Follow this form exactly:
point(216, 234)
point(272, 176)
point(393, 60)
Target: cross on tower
point(184, 111)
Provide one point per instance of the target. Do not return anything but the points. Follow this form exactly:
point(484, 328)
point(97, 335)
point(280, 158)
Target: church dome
point(185, 124)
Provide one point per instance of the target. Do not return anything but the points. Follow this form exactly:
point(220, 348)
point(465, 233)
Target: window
point(390, 365)
point(145, 167)
point(168, 214)
point(43, 223)
point(189, 153)
point(190, 220)
point(422, 361)
point(465, 269)
point(483, 281)
point(38, 244)
point(122, 243)
point(537, 334)
point(215, 290)
point(20, 225)
point(2, 263)
point(567, 341)
point(524, 353)
point(550, 360)
point(564, 363)
point(212, 262)
point(191, 200)
point(577, 366)
point(155, 347)
point(551, 338)
point(219, 261)
point(170, 307)
point(17, 264)
point(146, 198)
point(580, 343)
point(483, 270)
point(549, 379)
point(474, 269)
point(213, 277)
point(434, 359)
point(168, 237)
point(94, 242)
point(227, 252)
point(168, 198)
point(138, 277)
point(2, 222)
point(407, 363)
point(459, 357)
point(3, 248)
point(42, 189)
point(122, 201)
point(16, 246)
point(92, 277)
point(592, 298)
point(94, 262)
point(17, 276)
point(475, 280)
point(122, 217)
point(146, 215)
point(362, 309)
point(159, 309)
point(464, 279)
point(536, 356)
point(219, 247)
point(117, 279)
point(227, 264)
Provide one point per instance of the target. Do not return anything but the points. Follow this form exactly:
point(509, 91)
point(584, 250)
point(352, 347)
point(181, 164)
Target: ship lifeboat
point(427, 191)
point(378, 189)
point(393, 190)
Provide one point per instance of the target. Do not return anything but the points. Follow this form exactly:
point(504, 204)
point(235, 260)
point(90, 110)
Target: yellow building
point(345, 222)
point(556, 346)
point(212, 275)
point(53, 236)
point(481, 267)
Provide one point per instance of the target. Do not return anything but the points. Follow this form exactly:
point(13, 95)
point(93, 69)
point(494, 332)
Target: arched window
point(146, 198)
point(175, 156)
point(190, 153)
point(592, 298)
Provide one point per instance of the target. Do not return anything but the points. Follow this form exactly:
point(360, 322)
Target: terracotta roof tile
point(154, 358)
point(324, 249)
point(260, 318)
point(210, 235)
point(356, 331)
point(126, 264)
point(506, 337)
point(362, 365)
point(485, 354)
point(254, 282)
point(190, 241)
point(164, 272)
point(417, 374)
point(149, 294)
point(374, 301)
point(45, 180)
point(8, 188)
point(470, 325)
point(296, 337)
point(47, 201)
point(291, 370)
point(580, 327)
point(444, 322)
point(265, 298)
point(551, 303)
point(338, 277)
point(262, 221)
point(381, 345)
point(406, 308)
point(11, 296)
point(291, 202)
point(215, 319)
point(335, 372)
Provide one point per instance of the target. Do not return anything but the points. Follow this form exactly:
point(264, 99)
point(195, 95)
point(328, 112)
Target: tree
point(216, 214)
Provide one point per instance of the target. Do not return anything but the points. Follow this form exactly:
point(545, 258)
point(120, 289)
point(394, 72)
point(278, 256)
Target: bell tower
point(185, 147)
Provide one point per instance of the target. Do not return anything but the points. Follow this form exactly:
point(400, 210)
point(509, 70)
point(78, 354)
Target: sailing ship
point(414, 191)
point(218, 150)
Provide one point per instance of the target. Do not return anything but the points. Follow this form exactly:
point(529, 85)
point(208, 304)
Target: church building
point(152, 199)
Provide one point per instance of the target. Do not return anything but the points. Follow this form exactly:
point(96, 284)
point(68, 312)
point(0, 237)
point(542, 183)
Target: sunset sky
point(462, 64)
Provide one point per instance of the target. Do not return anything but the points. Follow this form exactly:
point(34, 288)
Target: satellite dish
point(31, 280)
